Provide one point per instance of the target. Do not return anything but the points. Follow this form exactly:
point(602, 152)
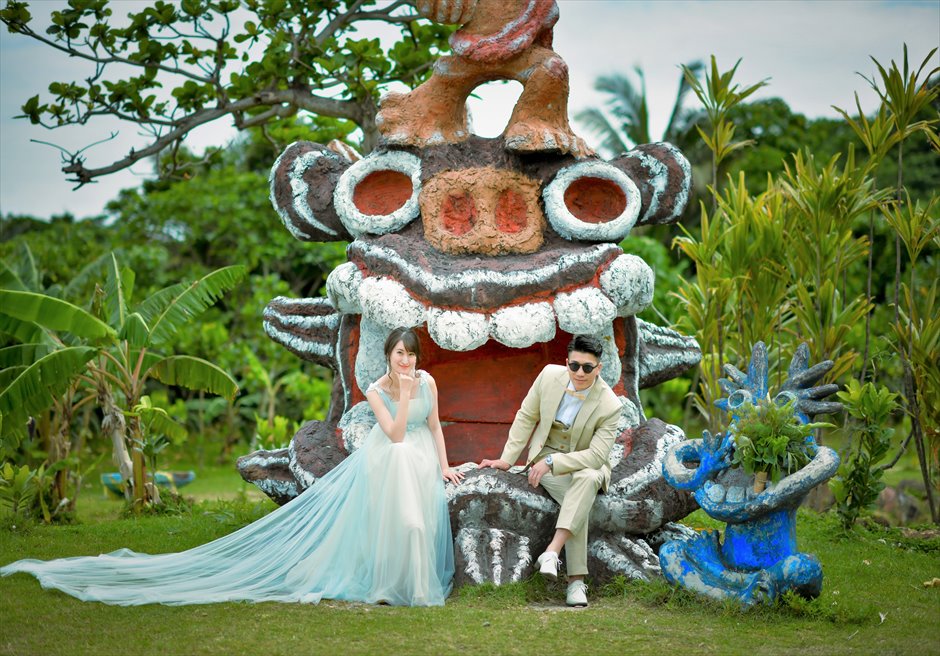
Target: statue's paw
point(413, 120)
point(639, 499)
point(799, 572)
point(307, 327)
point(491, 555)
point(537, 137)
point(630, 556)
point(271, 472)
point(499, 521)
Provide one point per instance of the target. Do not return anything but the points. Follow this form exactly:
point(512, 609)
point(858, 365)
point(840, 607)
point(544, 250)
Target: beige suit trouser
point(576, 493)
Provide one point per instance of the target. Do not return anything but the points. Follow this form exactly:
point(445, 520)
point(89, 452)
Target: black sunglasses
point(587, 367)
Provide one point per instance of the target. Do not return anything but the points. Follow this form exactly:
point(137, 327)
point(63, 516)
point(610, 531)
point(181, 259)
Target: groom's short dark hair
point(586, 344)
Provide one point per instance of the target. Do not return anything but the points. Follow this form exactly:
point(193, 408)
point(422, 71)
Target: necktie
point(577, 395)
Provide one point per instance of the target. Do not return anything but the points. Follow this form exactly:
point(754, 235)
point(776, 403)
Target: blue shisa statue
point(758, 560)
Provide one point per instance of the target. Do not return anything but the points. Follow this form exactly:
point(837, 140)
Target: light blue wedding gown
point(374, 529)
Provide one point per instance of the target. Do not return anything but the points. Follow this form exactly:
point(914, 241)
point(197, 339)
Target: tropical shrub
point(106, 355)
point(858, 483)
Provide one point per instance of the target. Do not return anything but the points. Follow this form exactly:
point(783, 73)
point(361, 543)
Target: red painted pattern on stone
point(458, 214)
point(382, 192)
point(595, 200)
point(501, 30)
point(511, 212)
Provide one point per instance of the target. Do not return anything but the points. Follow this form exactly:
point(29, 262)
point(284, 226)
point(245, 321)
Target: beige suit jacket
point(593, 432)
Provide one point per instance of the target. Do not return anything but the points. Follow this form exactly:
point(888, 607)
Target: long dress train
point(374, 529)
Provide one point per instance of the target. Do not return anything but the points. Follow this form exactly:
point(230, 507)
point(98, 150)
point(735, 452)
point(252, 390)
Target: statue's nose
point(487, 211)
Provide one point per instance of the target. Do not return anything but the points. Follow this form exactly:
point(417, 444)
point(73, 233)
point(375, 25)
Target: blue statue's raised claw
point(713, 454)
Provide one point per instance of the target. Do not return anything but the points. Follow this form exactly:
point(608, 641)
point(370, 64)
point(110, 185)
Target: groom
point(569, 419)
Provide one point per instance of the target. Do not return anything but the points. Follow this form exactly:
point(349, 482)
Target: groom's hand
point(537, 471)
point(495, 464)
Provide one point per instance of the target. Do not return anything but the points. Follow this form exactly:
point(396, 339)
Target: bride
point(374, 529)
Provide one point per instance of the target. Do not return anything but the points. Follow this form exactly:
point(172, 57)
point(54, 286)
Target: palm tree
point(107, 354)
point(628, 107)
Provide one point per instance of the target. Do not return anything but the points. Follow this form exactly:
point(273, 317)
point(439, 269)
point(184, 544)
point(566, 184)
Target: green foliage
point(29, 493)
point(858, 483)
point(54, 314)
point(17, 487)
point(171, 68)
point(719, 94)
point(274, 432)
point(904, 93)
point(111, 357)
point(36, 388)
point(770, 438)
point(918, 336)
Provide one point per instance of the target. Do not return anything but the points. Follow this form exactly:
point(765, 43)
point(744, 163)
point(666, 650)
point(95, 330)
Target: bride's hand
point(453, 476)
point(406, 383)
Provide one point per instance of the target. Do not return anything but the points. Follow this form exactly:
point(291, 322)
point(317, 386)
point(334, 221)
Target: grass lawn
point(873, 602)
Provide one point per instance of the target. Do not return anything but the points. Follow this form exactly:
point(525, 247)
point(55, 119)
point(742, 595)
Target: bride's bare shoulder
point(382, 384)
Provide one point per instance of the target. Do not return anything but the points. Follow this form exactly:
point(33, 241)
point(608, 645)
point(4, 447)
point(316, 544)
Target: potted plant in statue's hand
point(771, 441)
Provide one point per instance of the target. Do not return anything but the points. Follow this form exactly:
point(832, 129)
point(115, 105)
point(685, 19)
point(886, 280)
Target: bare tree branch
point(384, 16)
point(298, 98)
point(278, 111)
point(336, 23)
point(113, 59)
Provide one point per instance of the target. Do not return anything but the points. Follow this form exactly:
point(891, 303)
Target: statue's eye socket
point(592, 201)
point(382, 192)
point(379, 194)
point(783, 398)
point(739, 398)
point(595, 200)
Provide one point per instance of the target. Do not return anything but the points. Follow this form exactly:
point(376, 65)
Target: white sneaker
point(577, 594)
point(548, 564)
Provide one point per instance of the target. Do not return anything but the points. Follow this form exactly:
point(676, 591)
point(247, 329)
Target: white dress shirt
point(570, 405)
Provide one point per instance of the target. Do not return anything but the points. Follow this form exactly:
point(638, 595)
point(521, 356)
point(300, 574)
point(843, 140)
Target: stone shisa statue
point(758, 559)
point(496, 251)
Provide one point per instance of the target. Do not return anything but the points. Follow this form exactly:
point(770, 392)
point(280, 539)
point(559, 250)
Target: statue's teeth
point(457, 331)
point(628, 281)
point(584, 311)
point(735, 494)
point(342, 288)
point(519, 326)
point(389, 304)
point(715, 492)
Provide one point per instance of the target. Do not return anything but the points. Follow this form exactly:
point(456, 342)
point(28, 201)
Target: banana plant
point(111, 351)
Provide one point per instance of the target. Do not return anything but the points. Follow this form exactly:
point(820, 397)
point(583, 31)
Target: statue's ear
point(302, 182)
point(663, 176)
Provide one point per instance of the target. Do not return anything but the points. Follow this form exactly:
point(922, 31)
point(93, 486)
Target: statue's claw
point(713, 454)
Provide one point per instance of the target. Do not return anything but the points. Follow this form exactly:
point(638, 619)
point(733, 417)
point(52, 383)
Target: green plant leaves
point(54, 314)
point(40, 385)
point(195, 374)
point(770, 438)
point(115, 293)
point(170, 309)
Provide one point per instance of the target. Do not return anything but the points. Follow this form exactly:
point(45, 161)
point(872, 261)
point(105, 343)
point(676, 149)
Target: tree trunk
point(114, 426)
point(145, 492)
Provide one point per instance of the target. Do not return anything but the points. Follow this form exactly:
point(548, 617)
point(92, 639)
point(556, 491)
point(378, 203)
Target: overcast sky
point(810, 51)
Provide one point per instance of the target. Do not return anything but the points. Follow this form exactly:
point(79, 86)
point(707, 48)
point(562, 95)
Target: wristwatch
point(548, 461)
